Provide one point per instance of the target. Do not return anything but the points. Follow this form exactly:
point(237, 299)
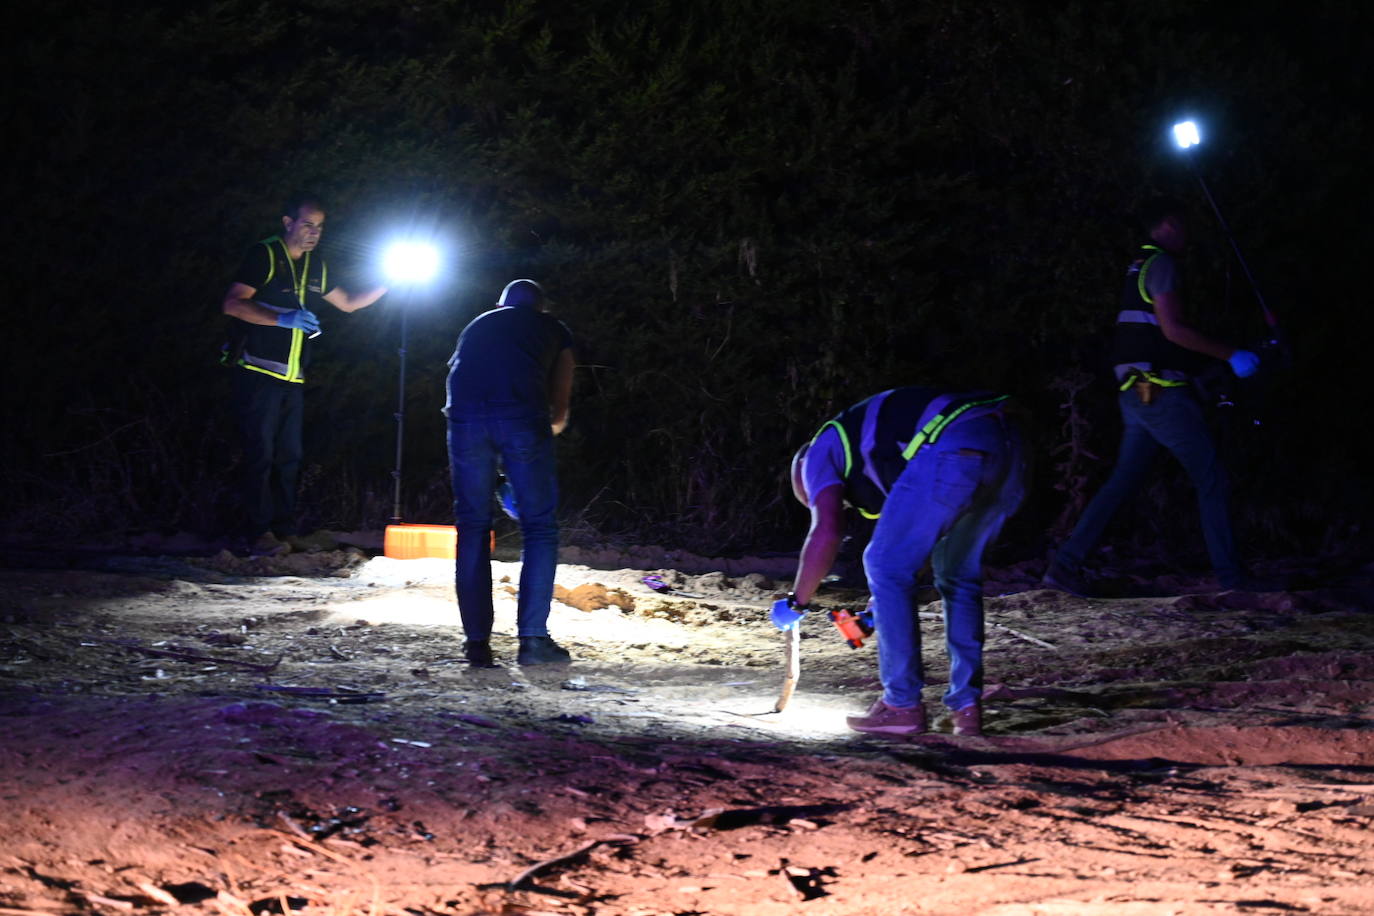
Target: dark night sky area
point(750, 213)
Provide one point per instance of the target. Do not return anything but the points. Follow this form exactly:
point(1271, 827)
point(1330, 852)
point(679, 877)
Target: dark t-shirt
point(280, 284)
point(502, 364)
point(286, 279)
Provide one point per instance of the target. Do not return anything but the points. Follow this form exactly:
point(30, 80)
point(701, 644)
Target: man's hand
point(1244, 363)
point(299, 320)
point(787, 614)
point(560, 390)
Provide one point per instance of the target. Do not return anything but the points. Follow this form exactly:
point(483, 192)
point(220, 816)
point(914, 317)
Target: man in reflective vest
point(272, 301)
point(1159, 410)
point(940, 472)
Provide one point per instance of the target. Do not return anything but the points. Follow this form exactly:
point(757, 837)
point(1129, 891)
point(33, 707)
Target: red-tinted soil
point(191, 736)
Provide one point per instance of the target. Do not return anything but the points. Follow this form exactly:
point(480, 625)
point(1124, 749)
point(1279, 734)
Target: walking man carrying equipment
point(509, 389)
point(940, 472)
point(1159, 409)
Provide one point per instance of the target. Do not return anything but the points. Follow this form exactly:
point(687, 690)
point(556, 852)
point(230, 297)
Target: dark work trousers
point(269, 413)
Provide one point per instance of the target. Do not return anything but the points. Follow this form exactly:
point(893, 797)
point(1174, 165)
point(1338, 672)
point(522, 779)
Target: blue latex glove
point(786, 615)
point(866, 618)
point(300, 320)
point(1244, 363)
point(505, 494)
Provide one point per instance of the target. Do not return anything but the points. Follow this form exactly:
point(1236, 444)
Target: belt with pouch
point(1147, 384)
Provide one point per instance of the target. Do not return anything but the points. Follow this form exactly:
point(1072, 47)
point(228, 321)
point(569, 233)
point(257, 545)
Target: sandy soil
point(215, 735)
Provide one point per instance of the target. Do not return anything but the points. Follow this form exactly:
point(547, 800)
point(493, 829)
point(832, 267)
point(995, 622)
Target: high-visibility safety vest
point(282, 353)
point(882, 433)
point(1140, 349)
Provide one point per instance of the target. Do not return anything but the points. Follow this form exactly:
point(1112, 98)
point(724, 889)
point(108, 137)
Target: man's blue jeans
point(1173, 421)
point(947, 505)
point(524, 446)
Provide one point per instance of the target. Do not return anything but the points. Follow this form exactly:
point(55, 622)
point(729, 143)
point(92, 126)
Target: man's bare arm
point(1169, 311)
point(560, 390)
point(822, 543)
point(345, 301)
point(239, 303)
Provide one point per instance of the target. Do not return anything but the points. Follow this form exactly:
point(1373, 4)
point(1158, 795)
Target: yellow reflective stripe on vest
point(848, 457)
point(293, 361)
point(844, 440)
point(298, 285)
point(252, 368)
point(937, 424)
point(1136, 375)
point(1140, 279)
point(298, 281)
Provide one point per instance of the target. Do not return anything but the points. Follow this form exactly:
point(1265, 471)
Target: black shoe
point(1064, 579)
point(1245, 582)
point(315, 542)
point(542, 650)
point(268, 544)
point(478, 652)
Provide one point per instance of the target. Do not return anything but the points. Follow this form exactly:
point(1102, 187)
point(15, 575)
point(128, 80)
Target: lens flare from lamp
point(410, 262)
point(1186, 134)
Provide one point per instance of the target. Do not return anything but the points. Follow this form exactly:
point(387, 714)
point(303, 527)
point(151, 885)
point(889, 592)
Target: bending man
point(509, 388)
point(941, 472)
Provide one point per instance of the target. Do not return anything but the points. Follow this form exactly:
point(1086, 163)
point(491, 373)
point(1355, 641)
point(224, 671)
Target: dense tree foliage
point(751, 213)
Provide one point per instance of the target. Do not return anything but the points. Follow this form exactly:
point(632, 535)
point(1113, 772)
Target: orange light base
point(419, 542)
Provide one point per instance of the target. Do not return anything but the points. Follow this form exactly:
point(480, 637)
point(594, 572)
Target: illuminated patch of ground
point(200, 736)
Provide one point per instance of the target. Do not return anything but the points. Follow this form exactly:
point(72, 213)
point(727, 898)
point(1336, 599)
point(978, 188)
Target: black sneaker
point(1063, 579)
point(478, 652)
point(317, 541)
point(542, 650)
point(1246, 582)
point(268, 544)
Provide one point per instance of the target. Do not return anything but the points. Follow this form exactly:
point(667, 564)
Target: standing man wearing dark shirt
point(509, 388)
point(272, 302)
point(1159, 409)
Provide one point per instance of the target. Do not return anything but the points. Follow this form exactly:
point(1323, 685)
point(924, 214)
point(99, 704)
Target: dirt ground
point(190, 735)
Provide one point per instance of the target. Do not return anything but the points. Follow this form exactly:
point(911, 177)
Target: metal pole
point(400, 424)
point(1269, 317)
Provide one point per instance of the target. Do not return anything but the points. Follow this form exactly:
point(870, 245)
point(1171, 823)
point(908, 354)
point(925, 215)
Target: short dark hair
point(1156, 210)
point(522, 292)
point(300, 200)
